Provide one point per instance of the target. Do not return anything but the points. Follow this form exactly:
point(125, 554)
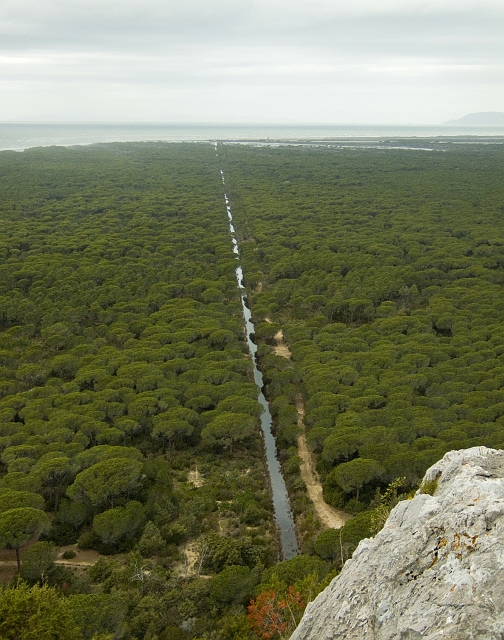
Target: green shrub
point(103, 569)
point(151, 543)
point(38, 562)
point(88, 540)
point(429, 487)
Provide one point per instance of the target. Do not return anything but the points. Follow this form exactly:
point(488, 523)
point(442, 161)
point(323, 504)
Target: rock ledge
point(434, 571)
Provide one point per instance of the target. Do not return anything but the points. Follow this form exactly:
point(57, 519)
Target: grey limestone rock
point(435, 571)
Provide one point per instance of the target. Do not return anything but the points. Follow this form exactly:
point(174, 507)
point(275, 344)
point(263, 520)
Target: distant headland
point(482, 117)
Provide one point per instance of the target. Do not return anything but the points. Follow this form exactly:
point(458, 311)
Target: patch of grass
point(429, 487)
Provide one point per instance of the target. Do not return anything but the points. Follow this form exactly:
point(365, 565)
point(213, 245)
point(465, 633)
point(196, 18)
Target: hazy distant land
point(482, 117)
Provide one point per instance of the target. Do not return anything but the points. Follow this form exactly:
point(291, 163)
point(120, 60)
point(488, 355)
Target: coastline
point(19, 136)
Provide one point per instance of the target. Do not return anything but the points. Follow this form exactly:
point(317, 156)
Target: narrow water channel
point(281, 503)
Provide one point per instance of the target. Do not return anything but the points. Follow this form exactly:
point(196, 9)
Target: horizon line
point(244, 122)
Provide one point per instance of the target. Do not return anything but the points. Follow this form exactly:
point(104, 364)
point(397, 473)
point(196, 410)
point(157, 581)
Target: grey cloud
point(306, 59)
point(156, 26)
point(263, 67)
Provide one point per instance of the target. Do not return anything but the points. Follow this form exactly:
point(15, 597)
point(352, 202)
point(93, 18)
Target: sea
point(19, 136)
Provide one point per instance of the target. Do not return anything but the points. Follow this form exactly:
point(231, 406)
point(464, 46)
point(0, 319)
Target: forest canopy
point(385, 270)
point(129, 419)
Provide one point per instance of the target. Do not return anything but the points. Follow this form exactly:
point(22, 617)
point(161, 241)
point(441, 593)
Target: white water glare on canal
point(281, 503)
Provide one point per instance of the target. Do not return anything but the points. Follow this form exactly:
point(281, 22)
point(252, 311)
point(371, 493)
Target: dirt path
point(83, 557)
point(195, 478)
point(281, 349)
point(330, 517)
point(187, 566)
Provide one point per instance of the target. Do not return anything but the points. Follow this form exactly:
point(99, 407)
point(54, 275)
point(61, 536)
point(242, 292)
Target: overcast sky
point(359, 61)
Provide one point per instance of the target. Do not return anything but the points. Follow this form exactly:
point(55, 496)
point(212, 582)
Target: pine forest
point(135, 501)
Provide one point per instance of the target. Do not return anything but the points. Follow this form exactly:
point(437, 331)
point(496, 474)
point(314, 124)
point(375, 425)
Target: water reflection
point(281, 503)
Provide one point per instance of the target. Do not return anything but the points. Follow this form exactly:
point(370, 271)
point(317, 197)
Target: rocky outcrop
point(435, 571)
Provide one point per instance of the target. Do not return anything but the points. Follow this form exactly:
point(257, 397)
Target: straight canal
point(281, 503)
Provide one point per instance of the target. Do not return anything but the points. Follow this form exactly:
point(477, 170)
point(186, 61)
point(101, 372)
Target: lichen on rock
point(434, 571)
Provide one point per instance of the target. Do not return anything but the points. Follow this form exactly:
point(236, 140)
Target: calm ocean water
point(19, 136)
